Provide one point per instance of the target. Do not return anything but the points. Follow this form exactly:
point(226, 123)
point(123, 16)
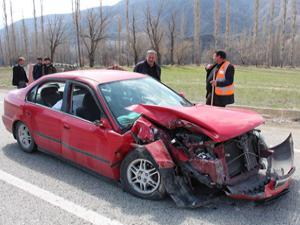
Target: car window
point(50, 94)
point(83, 104)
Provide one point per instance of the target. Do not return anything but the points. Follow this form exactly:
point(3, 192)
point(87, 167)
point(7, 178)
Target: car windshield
point(121, 94)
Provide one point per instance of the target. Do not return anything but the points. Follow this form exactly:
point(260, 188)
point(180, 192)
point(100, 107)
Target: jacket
point(144, 68)
point(49, 69)
point(19, 75)
point(37, 71)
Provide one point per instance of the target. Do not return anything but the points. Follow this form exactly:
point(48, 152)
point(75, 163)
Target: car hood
point(220, 124)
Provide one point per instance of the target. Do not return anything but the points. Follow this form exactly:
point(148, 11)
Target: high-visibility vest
point(220, 76)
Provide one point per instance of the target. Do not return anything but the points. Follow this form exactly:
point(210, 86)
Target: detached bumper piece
point(272, 182)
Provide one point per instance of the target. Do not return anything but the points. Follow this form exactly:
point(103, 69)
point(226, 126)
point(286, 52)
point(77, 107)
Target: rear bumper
point(272, 182)
point(7, 123)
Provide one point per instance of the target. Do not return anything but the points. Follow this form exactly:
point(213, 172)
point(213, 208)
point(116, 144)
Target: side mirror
point(102, 123)
point(181, 93)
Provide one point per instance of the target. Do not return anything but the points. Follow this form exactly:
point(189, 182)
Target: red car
point(133, 129)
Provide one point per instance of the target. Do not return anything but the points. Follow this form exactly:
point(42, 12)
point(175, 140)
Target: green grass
point(274, 88)
point(5, 77)
point(260, 87)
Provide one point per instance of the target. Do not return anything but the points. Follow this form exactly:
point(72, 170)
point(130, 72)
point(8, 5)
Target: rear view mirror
point(102, 123)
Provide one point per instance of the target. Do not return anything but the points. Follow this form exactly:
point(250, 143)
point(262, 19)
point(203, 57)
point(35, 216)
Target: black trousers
point(215, 103)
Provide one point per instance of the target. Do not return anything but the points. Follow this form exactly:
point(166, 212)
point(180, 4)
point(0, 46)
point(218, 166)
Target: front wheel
point(141, 177)
point(24, 138)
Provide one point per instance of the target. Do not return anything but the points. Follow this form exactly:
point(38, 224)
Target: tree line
point(272, 41)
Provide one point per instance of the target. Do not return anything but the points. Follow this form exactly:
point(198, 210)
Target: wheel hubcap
point(24, 136)
point(143, 176)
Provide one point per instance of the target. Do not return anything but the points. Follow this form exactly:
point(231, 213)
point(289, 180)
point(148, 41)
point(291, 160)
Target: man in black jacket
point(48, 67)
point(149, 66)
point(219, 81)
point(38, 69)
point(19, 75)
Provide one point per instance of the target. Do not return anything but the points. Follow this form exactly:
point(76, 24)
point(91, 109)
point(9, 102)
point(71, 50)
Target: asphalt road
point(39, 189)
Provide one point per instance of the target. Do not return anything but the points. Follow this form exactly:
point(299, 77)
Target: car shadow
point(223, 210)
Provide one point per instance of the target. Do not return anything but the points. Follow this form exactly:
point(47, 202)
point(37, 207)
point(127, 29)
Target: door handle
point(66, 126)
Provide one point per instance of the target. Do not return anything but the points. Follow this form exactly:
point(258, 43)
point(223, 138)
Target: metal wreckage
point(220, 149)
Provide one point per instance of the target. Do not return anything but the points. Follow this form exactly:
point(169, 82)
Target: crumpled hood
point(220, 124)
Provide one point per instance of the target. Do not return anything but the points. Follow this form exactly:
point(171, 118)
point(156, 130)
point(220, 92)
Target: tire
point(141, 177)
point(24, 138)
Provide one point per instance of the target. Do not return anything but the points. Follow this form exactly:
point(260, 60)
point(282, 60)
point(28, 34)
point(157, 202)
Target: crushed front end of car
point(189, 156)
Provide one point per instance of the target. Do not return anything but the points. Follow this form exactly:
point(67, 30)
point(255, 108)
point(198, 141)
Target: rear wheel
point(24, 138)
point(140, 176)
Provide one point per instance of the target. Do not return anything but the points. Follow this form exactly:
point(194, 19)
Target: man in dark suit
point(219, 81)
point(38, 69)
point(149, 66)
point(19, 75)
point(48, 67)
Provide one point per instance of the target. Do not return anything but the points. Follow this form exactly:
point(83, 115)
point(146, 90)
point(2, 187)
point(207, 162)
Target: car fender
point(160, 154)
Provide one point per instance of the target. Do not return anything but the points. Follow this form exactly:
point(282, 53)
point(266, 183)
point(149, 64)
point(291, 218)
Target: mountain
point(241, 15)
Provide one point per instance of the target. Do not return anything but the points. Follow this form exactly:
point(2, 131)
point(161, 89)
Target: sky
point(25, 7)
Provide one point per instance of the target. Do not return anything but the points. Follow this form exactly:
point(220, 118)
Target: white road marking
point(296, 150)
point(77, 210)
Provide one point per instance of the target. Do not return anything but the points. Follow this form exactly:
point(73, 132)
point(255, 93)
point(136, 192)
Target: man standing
point(19, 75)
point(149, 66)
point(48, 67)
point(38, 69)
point(219, 81)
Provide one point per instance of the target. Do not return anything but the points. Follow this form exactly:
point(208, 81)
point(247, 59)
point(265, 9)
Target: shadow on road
point(224, 211)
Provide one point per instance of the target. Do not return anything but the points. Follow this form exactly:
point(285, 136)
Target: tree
point(270, 34)
point(127, 32)
point(133, 41)
point(36, 40)
point(217, 15)
point(172, 35)
point(13, 32)
point(153, 29)
point(25, 37)
point(76, 20)
point(197, 32)
point(255, 31)
point(227, 31)
point(283, 30)
point(119, 40)
point(294, 31)
point(95, 32)
point(42, 27)
point(56, 34)
point(9, 59)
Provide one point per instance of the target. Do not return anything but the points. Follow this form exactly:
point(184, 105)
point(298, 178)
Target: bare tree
point(172, 35)
point(42, 27)
point(76, 19)
point(119, 40)
point(127, 32)
point(197, 32)
point(2, 56)
point(134, 40)
point(56, 33)
point(9, 59)
point(217, 15)
point(294, 31)
point(255, 31)
point(283, 30)
point(36, 40)
point(25, 37)
point(13, 32)
point(270, 34)
point(227, 31)
point(153, 29)
point(95, 32)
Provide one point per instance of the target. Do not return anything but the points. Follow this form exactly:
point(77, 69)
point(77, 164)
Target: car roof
point(99, 76)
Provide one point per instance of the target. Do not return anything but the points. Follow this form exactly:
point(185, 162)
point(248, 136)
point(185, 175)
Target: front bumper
point(271, 182)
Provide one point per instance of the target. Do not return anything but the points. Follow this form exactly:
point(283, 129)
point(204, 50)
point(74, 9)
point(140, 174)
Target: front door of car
point(85, 131)
point(43, 114)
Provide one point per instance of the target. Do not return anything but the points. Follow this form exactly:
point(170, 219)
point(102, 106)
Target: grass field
point(272, 88)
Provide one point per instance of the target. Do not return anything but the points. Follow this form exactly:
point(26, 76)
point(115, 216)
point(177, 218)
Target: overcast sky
point(25, 7)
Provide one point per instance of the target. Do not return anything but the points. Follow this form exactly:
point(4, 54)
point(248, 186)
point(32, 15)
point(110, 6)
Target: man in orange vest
point(219, 81)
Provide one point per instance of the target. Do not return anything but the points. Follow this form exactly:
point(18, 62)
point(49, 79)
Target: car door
point(43, 113)
point(86, 131)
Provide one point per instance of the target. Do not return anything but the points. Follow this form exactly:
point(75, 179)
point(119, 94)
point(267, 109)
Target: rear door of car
point(86, 133)
point(43, 113)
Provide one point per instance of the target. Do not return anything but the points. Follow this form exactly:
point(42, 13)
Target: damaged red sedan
point(133, 129)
